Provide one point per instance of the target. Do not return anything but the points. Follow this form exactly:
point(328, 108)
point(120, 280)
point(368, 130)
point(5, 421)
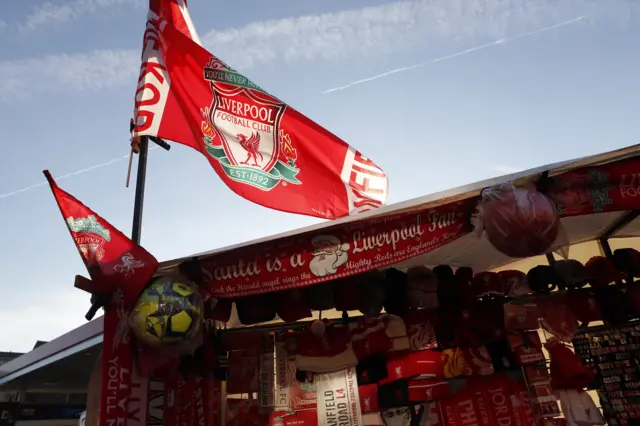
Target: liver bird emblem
point(252, 146)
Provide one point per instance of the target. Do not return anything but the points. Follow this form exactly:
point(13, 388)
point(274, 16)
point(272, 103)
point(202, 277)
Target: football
point(168, 312)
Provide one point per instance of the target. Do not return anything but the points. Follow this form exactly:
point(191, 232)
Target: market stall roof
point(467, 250)
point(428, 201)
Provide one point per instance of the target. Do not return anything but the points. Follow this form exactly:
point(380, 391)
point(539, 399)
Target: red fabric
point(567, 371)
point(245, 412)
point(292, 164)
point(514, 283)
point(521, 402)
point(298, 418)
point(584, 306)
point(334, 342)
point(486, 321)
point(243, 373)
point(404, 366)
point(290, 306)
point(117, 365)
point(218, 309)
point(602, 271)
point(112, 259)
point(487, 283)
point(370, 338)
point(424, 390)
point(556, 318)
point(520, 317)
point(171, 407)
point(633, 294)
point(368, 398)
point(479, 361)
point(420, 330)
point(347, 294)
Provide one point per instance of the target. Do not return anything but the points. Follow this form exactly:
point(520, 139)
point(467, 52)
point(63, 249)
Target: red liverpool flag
point(264, 150)
point(112, 259)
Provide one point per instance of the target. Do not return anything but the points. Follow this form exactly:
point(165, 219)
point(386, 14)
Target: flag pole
point(136, 232)
point(141, 146)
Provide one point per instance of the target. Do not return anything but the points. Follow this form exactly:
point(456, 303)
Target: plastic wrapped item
point(518, 222)
point(168, 313)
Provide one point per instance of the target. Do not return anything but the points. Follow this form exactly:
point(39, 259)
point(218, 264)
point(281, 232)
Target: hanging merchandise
point(613, 354)
point(519, 222)
point(168, 313)
point(578, 408)
point(338, 399)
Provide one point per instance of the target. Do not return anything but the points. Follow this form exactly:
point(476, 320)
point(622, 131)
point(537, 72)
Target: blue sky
point(68, 71)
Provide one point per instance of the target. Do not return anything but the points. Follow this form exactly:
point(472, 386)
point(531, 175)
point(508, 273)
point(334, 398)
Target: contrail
point(68, 175)
point(464, 52)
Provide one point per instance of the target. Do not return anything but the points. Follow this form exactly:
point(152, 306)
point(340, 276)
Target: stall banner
point(336, 252)
point(606, 188)
point(338, 399)
point(261, 148)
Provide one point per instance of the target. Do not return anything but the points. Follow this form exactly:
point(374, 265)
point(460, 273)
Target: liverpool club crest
point(90, 237)
point(241, 129)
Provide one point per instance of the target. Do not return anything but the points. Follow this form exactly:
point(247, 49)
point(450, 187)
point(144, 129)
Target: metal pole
point(136, 232)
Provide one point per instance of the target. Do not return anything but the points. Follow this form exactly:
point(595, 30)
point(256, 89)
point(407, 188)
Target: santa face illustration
point(328, 255)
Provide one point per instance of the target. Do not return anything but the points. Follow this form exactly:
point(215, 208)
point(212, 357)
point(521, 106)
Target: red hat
point(290, 305)
point(567, 371)
point(346, 293)
point(627, 260)
point(572, 273)
point(218, 309)
point(520, 316)
point(256, 309)
point(515, 283)
point(633, 295)
point(584, 306)
point(326, 353)
point(464, 285)
point(396, 299)
point(602, 271)
point(487, 283)
point(422, 288)
point(370, 338)
point(371, 293)
point(319, 297)
point(556, 318)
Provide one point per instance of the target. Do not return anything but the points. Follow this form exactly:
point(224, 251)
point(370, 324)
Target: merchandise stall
point(461, 308)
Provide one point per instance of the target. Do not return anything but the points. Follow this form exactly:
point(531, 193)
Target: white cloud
point(57, 73)
point(29, 321)
point(53, 14)
point(371, 31)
